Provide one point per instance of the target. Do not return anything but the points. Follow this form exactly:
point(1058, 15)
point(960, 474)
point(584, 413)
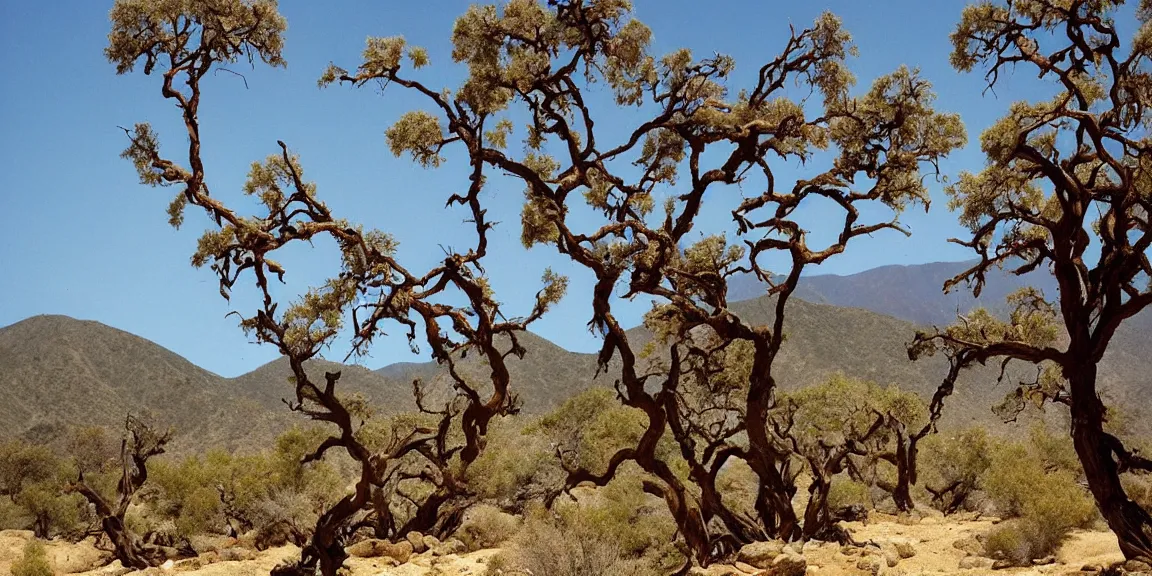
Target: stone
point(788, 565)
point(746, 568)
point(970, 545)
point(891, 558)
point(870, 564)
point(373, 548)
point(1044, 561)
point(417, 541)
point(971, 562)
point(760, 554)
point(904, 549)
point(451, 546)
point(431, 542)
point(236, 554)
point(1095, 568)
point(1136, 566)
point(1003, 564)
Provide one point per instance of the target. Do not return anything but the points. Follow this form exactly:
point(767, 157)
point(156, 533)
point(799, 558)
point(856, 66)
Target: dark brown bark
point(1131, 523)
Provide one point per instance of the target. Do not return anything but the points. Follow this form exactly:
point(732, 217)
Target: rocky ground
point(890, 546)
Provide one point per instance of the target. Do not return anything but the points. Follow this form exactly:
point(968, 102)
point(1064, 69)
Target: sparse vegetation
point(686, 441)
point(34, 562)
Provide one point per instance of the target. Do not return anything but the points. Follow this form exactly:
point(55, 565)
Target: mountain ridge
point(60, 371)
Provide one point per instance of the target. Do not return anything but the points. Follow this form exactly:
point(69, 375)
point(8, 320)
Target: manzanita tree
point(690, 134)
point(183, 41)
point(1067, 189)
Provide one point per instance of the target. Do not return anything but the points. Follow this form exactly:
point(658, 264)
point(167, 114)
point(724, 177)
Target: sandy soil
point(932, 538)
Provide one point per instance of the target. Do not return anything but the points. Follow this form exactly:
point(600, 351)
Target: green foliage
point(513, 464)
point(956, 463)
point(33, 480)
point(34, 562)
point(1037, 485)
point(638, 524)
point(486, 526)
point(848, 492)
point(573, 544)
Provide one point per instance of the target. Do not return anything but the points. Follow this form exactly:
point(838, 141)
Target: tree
point(688, 119)
point(184, 41)
point(1066, 189)
point(139, 444)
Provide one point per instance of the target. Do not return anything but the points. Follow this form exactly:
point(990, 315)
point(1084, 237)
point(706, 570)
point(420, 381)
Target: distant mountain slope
point(914, 293)
point(57, 371)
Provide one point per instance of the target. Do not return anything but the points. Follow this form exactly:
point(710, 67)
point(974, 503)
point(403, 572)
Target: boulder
point(891, 558)
point(904, 549)
point(972, 562)
point(373, 548)
point(1137, 567)
point(431, 542)
point(760, 554)
point(788, 565)
point(970, 545)
point(417, 541)
point(451, 546)
point(870, 564)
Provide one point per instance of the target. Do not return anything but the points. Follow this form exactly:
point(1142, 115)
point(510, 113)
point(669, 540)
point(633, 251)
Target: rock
point(1044, 561)
point(452, 546)
point(417, 541)
point(373, 548)
point(904, 549)
point(870, 564)
point(1137, 566)
point(970, 562)
point(891, 557)
point(746, 568)
point(1097, 568)
point(760, 554)
point(431, 542)
point(929, 520)
point(788, 565)
point(970, 545)
point(793, 548)
point(236, 554)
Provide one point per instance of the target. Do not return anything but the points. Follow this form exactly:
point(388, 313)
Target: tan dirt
point(932, 539)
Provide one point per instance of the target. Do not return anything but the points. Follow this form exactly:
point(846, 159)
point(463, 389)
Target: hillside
point(59, 371)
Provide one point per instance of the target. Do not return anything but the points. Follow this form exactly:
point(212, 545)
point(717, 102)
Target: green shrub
point(958, 461)
point(487, 526)
point(34, 562)
point(1045, 501)
point(1011, 540)
point(847, 492)
point(559, 547)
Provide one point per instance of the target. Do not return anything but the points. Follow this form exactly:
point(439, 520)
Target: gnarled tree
point(691, 128)
point(1066, 189)
point(184, 41)
point(140, 443)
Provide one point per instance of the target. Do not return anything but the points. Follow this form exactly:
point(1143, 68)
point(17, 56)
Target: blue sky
point(81, 237)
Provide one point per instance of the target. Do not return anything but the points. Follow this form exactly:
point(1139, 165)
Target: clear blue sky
point(81, 237)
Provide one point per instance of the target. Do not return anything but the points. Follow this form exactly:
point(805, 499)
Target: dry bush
point(846, 492)
point(1044, 500)
point(34, 562)
point(487, 526)
point(557, 547)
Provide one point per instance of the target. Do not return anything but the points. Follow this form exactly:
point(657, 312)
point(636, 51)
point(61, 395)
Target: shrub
point(847, 492)
point(1045, 501)
point(34, 562)
point(952, 467)
point(487, 527)
point(562, 548)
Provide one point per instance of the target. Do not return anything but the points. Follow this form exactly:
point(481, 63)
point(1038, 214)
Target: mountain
point(914, 293)
point(57, 371)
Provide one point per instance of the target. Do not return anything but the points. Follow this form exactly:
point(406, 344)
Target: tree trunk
point(1131, 523)
point(905, 473)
